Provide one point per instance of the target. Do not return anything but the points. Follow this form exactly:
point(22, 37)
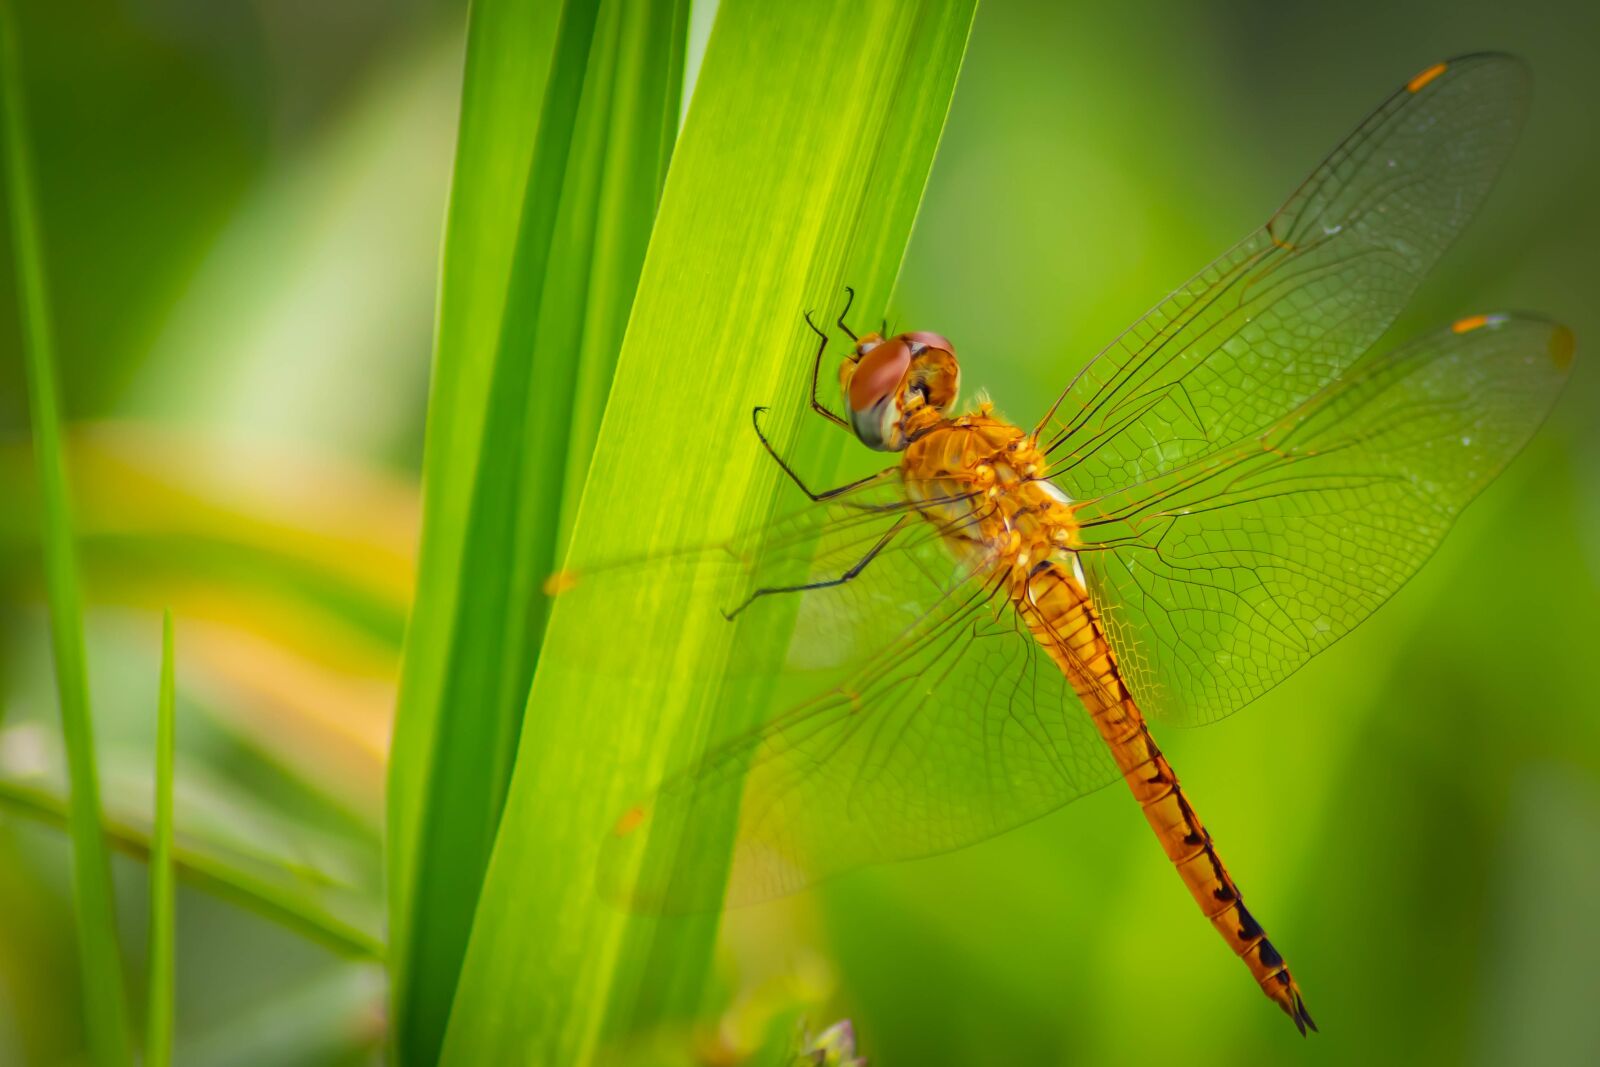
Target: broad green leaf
point(158, 1013)
point(799, 169)
point(528, 335)
point(105, 1009)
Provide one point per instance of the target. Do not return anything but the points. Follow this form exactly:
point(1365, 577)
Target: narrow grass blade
point(105, 1009)
point(158, 1016)
point(799, 169)
point(224, 877)
point(512, 421)
point(509, 46)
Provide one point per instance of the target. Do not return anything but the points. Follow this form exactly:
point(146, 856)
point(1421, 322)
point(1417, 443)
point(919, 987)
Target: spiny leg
point(827, 583)
point(826, 494)
point(822, 346)
point(816, 372)
point(850, 298)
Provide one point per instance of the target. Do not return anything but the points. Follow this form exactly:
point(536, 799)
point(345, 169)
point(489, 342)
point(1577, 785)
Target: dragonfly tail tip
point(1302, 1018)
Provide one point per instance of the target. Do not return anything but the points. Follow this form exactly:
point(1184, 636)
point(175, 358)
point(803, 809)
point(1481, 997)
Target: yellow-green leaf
point(529, 330)
point(799, 170)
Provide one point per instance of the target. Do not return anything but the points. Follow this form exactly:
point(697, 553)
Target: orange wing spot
point(1469, 324)
point(559, 583)
point(1415, 85)
point(1563, 346)
point(629, 822)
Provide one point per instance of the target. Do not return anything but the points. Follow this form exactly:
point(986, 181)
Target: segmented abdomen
point(1063, 619)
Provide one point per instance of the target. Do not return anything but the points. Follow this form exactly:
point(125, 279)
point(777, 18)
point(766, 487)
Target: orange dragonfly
point(982, 630)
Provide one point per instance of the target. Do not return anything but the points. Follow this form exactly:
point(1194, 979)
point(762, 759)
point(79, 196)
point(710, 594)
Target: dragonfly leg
point(849, 298)
point(816, 372)
point(827, 583)
point(826, 494)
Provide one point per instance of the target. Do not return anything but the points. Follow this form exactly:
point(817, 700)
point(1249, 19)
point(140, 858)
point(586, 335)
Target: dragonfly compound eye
point(878, 374)
point(873, 383)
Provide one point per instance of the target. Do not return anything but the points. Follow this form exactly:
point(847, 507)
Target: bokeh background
point(242, 206)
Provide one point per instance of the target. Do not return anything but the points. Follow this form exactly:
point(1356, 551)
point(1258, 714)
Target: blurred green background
point(242, 206)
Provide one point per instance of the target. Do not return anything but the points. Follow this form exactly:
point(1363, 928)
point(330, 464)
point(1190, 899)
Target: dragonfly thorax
point(896, 388)
point(982, 481)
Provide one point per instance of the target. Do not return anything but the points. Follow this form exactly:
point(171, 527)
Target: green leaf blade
point(227, 877)
point(800, 169)
point(495, 521)
point(509, 49)
point(159, 1013)
point(105, 1006)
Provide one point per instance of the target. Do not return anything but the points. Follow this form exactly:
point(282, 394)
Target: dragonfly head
point(897, 385)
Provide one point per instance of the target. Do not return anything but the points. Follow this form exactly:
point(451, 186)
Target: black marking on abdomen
point(1225, 889)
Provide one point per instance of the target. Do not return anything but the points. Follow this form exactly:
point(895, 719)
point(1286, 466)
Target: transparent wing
point(1218, 579)
point(942, 723)
point(1300, 299)
point(758, 576)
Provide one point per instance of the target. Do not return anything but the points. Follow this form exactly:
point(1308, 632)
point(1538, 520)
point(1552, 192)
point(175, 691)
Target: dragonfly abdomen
point(1062, 617)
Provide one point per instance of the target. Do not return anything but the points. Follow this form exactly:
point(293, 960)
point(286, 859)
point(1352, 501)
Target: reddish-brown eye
point(932, 340)
point(878, 372)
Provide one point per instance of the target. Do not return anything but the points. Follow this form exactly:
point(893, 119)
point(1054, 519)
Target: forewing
point(1220, 578)
point(1301, 298)
point(744, 576)
point(950, 731)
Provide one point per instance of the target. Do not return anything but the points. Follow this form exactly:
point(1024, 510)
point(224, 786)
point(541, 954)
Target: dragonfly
point(983, 631)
